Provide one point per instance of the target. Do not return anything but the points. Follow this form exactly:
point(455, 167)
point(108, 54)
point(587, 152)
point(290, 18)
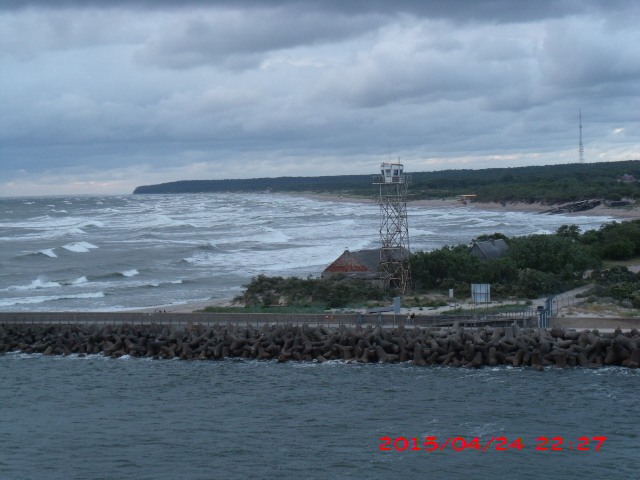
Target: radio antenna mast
point(580, 145)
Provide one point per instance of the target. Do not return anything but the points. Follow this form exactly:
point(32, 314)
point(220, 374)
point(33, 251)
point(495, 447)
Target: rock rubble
point(454, 346)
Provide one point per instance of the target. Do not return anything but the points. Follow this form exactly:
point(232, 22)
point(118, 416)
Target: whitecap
point(37, 284)
point(207, 246)
point(79, 247)
point(91, 223)
point(157, 284)
point(80, 281)
point(416, 232)
point(48, 252)
point(265, 235)
point(9, 302)
point(130, 273)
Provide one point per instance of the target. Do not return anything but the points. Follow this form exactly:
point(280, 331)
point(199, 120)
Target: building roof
point(489, 249)
point(360, 261)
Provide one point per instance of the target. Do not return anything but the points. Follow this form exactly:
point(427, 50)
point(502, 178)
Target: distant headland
point(548, 185)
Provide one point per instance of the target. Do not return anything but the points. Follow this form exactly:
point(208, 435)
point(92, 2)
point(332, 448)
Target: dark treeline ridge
point(537, 265)
point(534, 265)
point(551, 184)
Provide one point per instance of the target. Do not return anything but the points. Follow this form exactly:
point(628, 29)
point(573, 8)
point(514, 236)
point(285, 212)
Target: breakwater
point(454, 346)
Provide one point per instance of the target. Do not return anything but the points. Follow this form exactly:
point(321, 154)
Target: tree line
point(551, 184)
point(536, 265)
point(533, 266)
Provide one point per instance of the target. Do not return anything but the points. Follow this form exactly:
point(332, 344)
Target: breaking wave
point(79, 247)
point(8, 302)
point(37, 284)
point(48, 252)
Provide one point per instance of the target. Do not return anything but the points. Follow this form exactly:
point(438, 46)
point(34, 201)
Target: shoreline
point(623, 213)
point(187, 307)
point(601, 210)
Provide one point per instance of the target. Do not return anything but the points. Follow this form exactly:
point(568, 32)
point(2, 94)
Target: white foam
point(161, 221)
point(91, 223)
point(48, 252)
point(79, 247)
point(417, 232)
point(37, 284)
point(8, 302)
point(157, 284)
point(130, 273)
point(265, 235)
point(80, 281)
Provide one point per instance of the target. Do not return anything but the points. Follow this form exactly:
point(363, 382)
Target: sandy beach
point(622, 213)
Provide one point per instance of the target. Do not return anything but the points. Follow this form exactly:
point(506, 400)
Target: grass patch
point(493, 310)
point(424, 301)
point(260, 309)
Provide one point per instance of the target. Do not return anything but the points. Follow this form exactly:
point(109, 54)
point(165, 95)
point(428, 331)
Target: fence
point(562, 301)
point(137, 318)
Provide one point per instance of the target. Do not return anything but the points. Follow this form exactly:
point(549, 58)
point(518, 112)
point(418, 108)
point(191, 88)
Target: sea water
point(72, 417)
point(100, 418)
point(73, 253)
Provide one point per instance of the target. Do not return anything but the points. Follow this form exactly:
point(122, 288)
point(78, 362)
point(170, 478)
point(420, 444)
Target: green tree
point(551, 254)
point(569, 231)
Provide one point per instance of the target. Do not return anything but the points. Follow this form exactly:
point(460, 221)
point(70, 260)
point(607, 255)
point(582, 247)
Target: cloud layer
point(100, 99)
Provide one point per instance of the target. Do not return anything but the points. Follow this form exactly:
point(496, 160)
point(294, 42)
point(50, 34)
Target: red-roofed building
point(360, 264)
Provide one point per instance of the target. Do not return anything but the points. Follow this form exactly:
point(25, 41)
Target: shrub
point(336, 292)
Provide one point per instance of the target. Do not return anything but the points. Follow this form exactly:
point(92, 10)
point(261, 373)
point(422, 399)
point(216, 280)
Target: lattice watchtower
point(395, 270)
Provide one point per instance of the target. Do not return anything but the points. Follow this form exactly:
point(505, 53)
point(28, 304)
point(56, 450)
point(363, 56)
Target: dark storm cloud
point(235, 38)
point(203, 89)
point(462, 10)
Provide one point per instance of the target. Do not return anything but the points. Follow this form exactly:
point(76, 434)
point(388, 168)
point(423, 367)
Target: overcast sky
point(99, 99)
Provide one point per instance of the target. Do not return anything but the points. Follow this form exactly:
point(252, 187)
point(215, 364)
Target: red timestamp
point(499, 444)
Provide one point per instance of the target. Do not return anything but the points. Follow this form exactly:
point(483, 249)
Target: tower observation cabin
point(394, 266)
point(392, 172)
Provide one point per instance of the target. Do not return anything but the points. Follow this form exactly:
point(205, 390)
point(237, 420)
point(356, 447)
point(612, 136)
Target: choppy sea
point(99, 418)
point(143, 251)
point(96, 418)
